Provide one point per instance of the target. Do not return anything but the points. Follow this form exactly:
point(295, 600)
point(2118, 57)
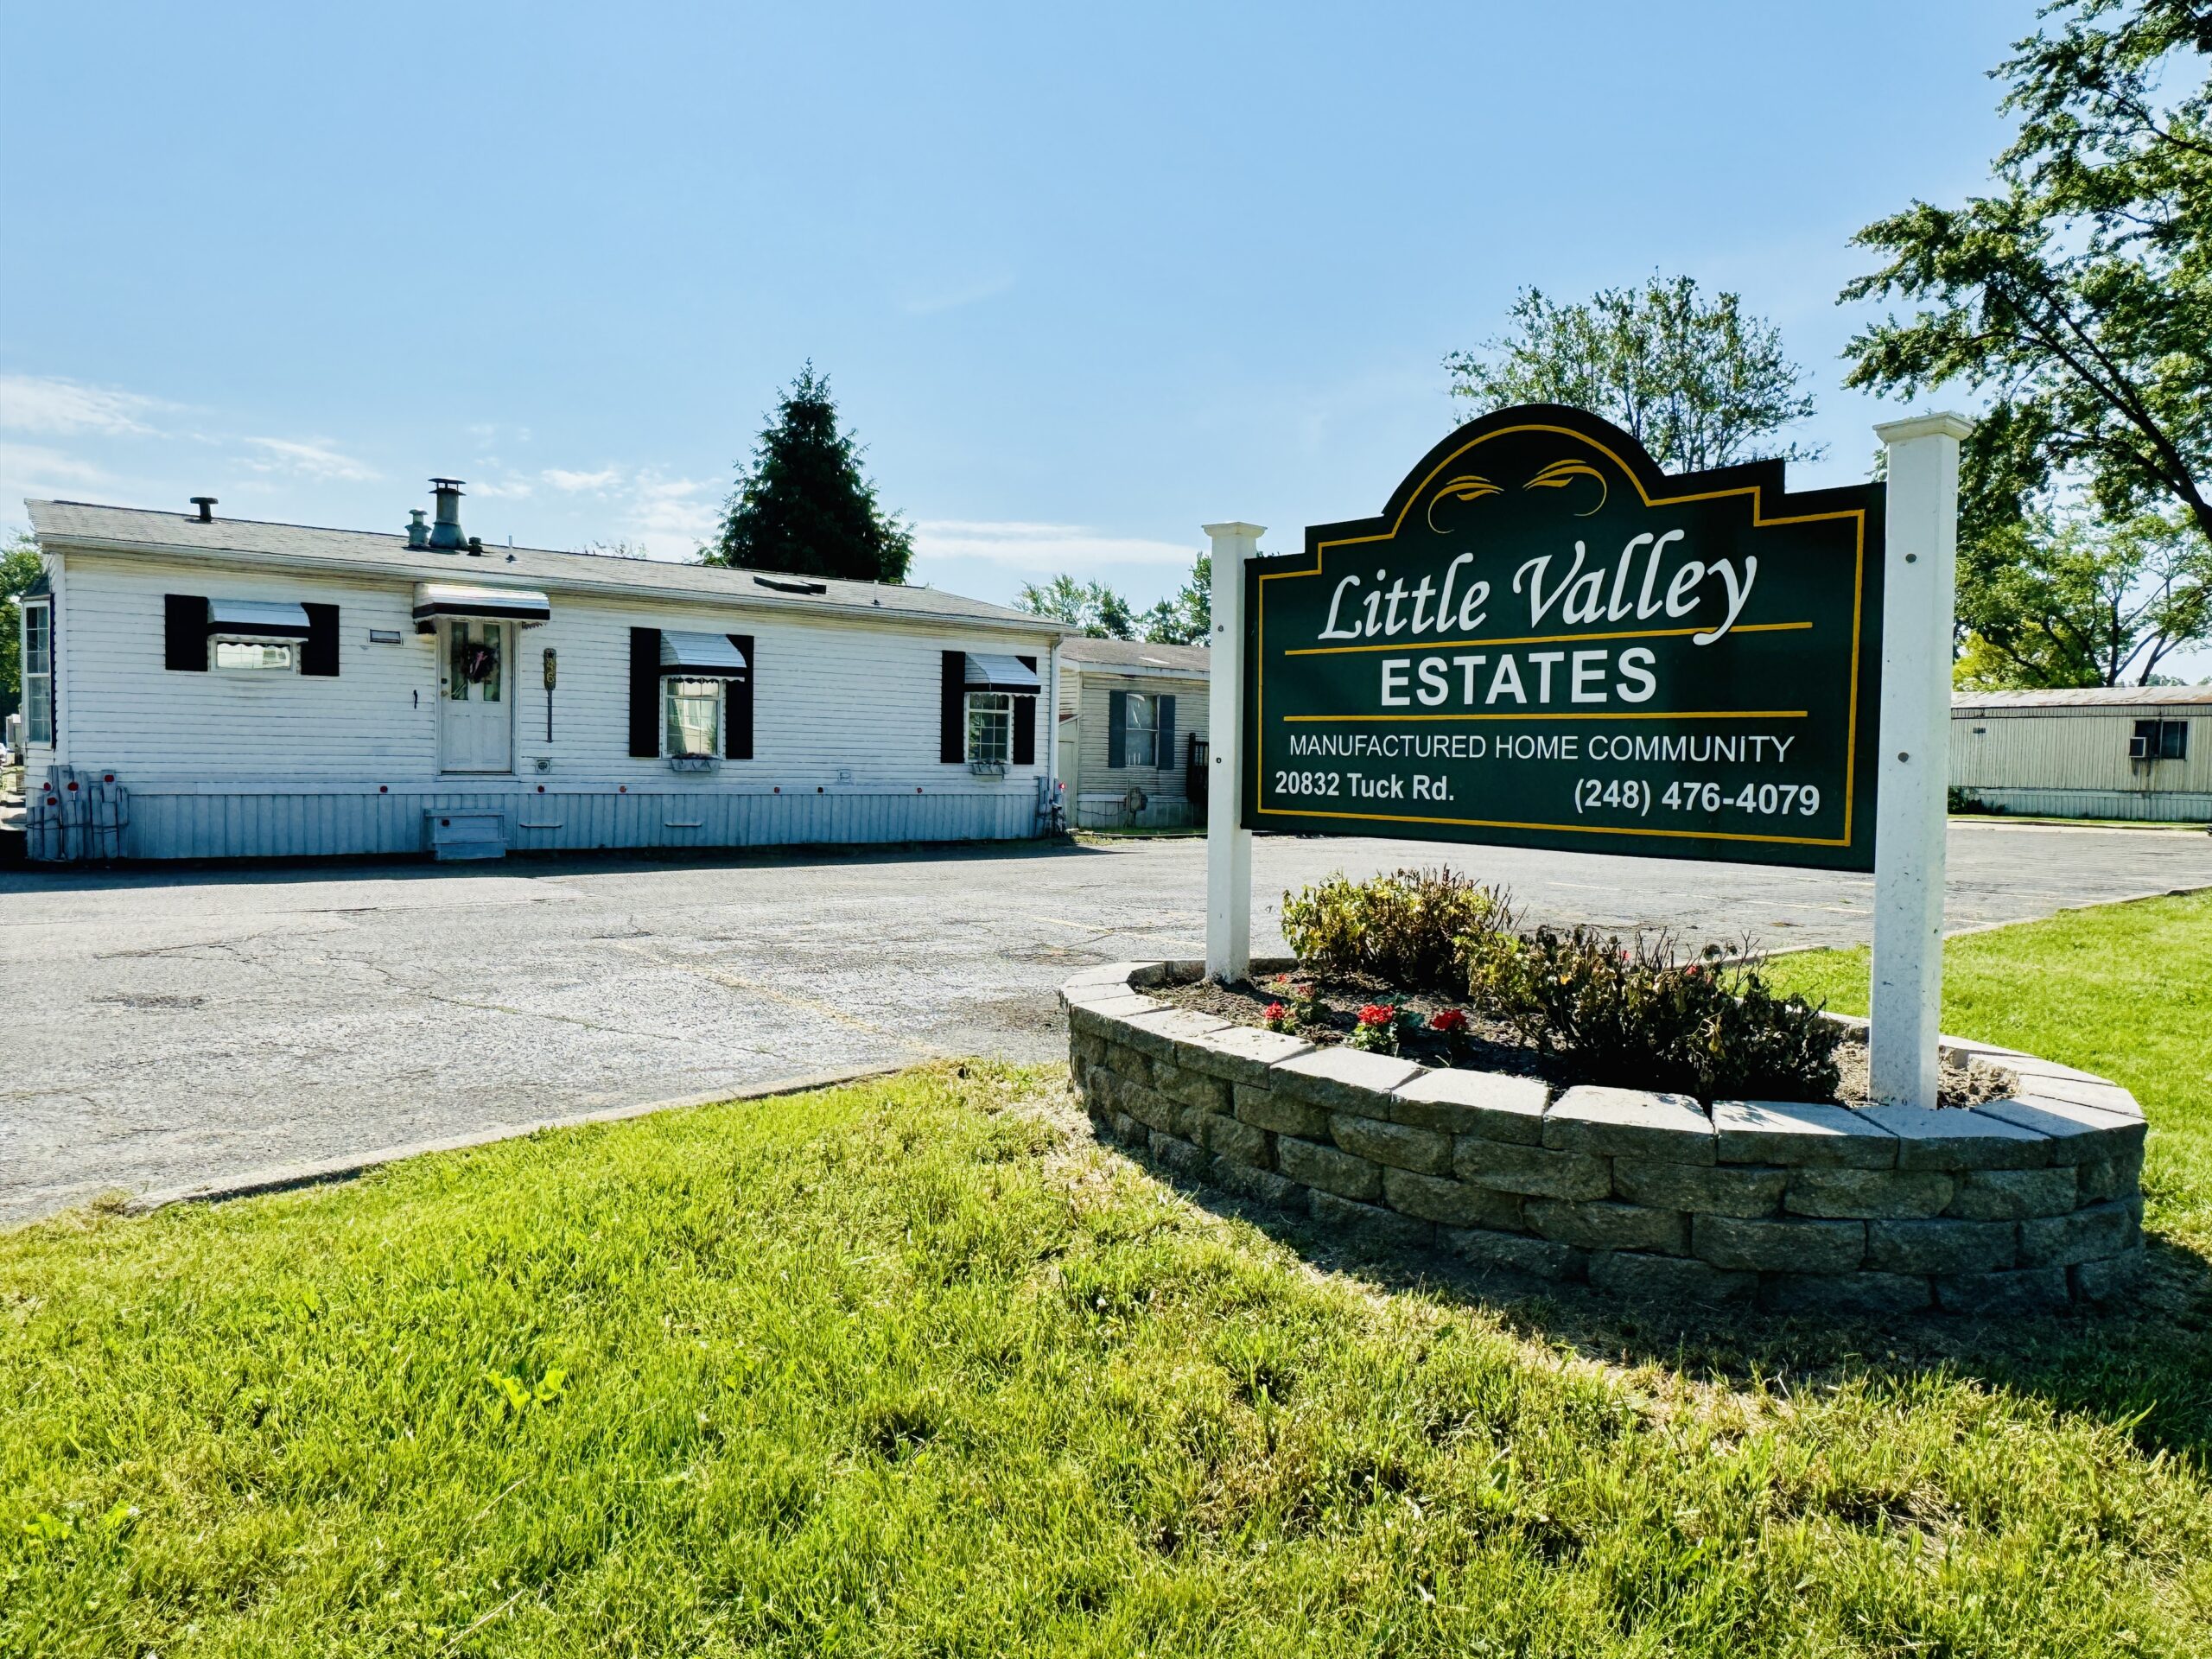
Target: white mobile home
point(1131, 716)
point(198, 687)
point(2102, 752)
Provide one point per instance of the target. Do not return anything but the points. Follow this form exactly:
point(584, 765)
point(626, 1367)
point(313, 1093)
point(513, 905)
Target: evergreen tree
point(804, 506)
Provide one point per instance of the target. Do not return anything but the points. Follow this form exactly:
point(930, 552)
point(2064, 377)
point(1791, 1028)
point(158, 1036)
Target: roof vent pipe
point(445, 533)
point(418, 533)
point(206, 506)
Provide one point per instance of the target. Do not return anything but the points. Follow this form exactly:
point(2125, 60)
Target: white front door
point(476, 697)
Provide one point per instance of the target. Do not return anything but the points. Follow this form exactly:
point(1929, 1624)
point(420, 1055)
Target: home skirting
point(274, 824)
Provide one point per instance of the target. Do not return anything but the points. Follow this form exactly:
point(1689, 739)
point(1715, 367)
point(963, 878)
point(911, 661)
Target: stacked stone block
point(2021, 1204)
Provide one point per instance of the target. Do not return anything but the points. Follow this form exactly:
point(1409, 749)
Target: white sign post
point(1228, 844)
point(1914, 776)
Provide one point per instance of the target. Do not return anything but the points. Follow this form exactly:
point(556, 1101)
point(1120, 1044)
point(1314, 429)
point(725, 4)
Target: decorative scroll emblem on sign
point(1544, 641)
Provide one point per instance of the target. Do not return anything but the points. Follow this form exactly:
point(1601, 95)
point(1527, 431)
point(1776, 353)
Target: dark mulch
point(1491, 1046)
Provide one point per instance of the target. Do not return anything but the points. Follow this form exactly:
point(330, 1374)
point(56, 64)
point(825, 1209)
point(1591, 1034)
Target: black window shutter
point(1117, 728)
point(1166, 706)
point(737, 711)
point(320, 654)
point(952, 710)
point(1025, 723)
point(644, 693)
point(184, 626)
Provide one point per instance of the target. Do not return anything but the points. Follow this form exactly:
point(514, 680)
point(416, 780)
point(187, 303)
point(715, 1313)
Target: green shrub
point(1409, 928)
point(1635, 1016)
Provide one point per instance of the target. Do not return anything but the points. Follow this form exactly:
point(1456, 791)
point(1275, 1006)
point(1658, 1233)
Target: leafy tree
point(1699, 385)
point(19, 567)
point(1093, 607)
point(2076, 297)
point(2060, 600)
point(1184, 617)
point(804, 506)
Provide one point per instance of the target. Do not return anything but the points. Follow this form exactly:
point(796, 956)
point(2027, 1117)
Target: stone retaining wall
point(2025, 1203)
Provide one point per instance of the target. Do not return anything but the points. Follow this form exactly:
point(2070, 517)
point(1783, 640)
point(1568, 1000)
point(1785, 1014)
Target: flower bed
point(2030, 1201)
point(1325, 1012)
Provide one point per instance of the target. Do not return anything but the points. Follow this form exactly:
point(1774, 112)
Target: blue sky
point(1081, 279)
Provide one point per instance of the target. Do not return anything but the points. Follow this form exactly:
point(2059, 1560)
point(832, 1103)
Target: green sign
point(1546, 642)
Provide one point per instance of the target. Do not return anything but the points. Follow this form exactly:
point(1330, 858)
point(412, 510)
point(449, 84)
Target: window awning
point(473, 603)
point(700, 656)
point(255, 620)
point(989, 671)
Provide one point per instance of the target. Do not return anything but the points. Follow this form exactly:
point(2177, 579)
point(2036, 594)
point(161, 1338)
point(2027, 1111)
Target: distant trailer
point(2104, 752)
point(200, 687)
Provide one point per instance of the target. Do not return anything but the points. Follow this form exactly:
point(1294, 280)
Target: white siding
point(1090, 693)
point(2075, 748)
point(828, 696)
point(2073, 761)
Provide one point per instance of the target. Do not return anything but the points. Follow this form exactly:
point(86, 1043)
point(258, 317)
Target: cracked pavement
point(172, 1027)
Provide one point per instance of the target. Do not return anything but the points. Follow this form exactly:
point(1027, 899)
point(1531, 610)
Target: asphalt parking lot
point(169, 1028)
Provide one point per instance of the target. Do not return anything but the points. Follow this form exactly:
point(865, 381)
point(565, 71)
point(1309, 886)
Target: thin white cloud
point(32, 402)
point(672, 516)
point(314, 458)
point(928, 305)
point(1041, 547)
point(502, 489)
point(561, 478)
point(33, 467)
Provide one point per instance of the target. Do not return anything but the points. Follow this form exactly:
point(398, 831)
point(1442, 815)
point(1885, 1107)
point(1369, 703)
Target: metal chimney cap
point(206, 506)
point(453, 484)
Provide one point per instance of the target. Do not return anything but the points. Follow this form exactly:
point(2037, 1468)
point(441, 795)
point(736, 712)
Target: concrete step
point(453, 836)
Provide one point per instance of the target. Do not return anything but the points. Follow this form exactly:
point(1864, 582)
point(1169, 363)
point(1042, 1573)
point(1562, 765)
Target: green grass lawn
point(913, 1367)
point(2125, 990)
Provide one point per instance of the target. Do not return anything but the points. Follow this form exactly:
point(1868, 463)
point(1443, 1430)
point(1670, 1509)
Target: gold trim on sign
point(1468, 486)
point(1595, 714)
point(1555, 477)
point(1543, 639)
point(1575, 828)
point(1759, 521)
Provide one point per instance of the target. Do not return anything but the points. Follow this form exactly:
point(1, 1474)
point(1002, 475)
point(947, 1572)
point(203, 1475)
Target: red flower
point(1448, 1020)
point(1276, 1011)
point(1377, 1013)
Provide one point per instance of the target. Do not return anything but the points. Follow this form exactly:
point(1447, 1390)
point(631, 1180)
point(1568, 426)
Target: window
point(2159, 740)
point(473, 659)
point(693, 724)
point(1141, 724)
point(253, 654)
point(990, 728)
point(38, 674)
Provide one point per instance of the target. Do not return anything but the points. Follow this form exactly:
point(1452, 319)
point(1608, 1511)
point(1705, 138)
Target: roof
point(2085, 697)
point(137, 531)
point(1136, 653)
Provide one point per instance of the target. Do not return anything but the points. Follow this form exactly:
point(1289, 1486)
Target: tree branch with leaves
point(2077, 298)
point(1699, 384)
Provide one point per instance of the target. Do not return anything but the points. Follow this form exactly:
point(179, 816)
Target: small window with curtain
point(1140, 724)
point(990, 728)
point(692, 725)
point(253, 654)
point(38, 673)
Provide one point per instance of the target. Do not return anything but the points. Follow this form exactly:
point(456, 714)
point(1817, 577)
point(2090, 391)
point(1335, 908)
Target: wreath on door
point(479, 662)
